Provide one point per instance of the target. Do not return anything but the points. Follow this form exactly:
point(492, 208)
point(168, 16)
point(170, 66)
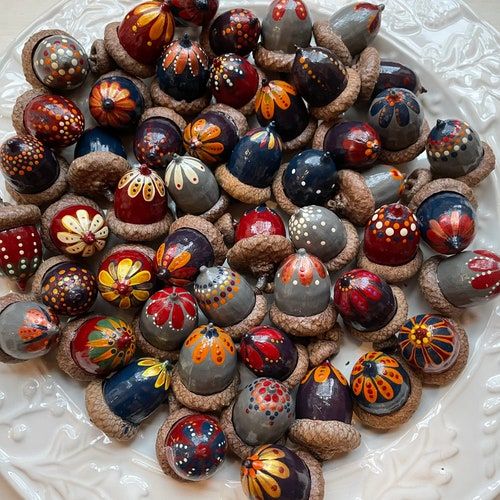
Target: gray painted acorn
point(302, 285)
point(319, 231)
point(207, 361)
point(191, 184)
point(223, 295)
point(386, 184)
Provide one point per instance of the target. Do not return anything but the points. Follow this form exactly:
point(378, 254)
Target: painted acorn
point(193, 12)
point(393, 74)
point(261, 220)
point(120, 403)
point(99, 140)
point(28, 329)
point(385, 184)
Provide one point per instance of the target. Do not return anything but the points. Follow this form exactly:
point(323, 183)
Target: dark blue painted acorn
point(97, 140)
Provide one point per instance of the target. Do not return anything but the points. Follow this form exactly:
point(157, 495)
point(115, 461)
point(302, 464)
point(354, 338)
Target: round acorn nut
point(148, 348)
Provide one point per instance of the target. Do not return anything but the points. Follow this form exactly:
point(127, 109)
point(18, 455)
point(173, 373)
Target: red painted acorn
point(259, 221)
point(193, 12)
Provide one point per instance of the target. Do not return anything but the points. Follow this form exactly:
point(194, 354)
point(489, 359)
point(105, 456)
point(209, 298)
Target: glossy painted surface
point(116, 102)
point(263, 411)
point(379, 384)
point(145, 31)
point(429, 343)
point(138, 390)
point(274, 471)
point(233, 80)
point(287, 25)
point(310, 178)
point(364, 300)
point(183, 70)
point(196, 447)
point(236, 31)
point(27, 330)
point(191, 184)
point(54, 120)
point(182, 254)
point(260, 221)
point(453, 148)
point(391, 236)
point(279, 102)
point(69, 288)
point(156, 141)
point(207, 361)
point(469, 278)
point(447, 222)
point(386, 184)
point(140, 197)
point(268, 352)
point(102, 345)
point(168, 317)
point(354, 145)
point(223, 295)
point(210, 137)
point(302, 285)
point(99, 139)
point(394, 74)
point(324, 395)
point(319, 76)
point(193, 12)
point(397, 117)
point(79, 230)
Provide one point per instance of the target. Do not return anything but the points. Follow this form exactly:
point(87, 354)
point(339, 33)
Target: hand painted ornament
point(391, 244)
point(140, 211)
point(463, 280)
point(54, 59)
point(193, 12)
point(371, 309)
point(212, 135)
point(28, 329)
point(118, 404)
point(321, 233)
point(254, 161)
point(396, 75)
point(455, 150)
point(190, 446)
point(126, 277)
point(64, 285)
point(95, 346)
point(20, 243)
point(206, 377)
point(323, 414)
point(74, 226)
point(286, 26)
point(385, 393)
point(99, 140)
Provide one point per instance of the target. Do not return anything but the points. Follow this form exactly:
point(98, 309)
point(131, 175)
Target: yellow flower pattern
point(162, 370)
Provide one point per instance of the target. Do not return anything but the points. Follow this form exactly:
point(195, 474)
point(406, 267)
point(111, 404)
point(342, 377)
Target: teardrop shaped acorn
point(145, 31)
point(394, 74)
point(183, 70)
point(99, 140)
point(193, 12)
point(319, 75)
point(260, 221)
point(257, 157)
point(386, 184)
point(310, 178)
point(279, 102)
point(287, 25)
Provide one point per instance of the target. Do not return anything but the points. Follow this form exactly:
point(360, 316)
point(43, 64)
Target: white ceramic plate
point(449, 449)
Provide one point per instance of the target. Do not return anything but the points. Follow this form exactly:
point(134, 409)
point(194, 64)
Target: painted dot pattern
point(449, 142)
point(269, 397)
point(219, 290)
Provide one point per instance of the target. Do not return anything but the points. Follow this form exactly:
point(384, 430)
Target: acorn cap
point(12, 216)
point(368, 67)
point(237, 118)
point(100, 61)
point(327, 38)
point(325, 345)
point(168, 114)
point(408, 154)
point(273, 60)
point(20, 105)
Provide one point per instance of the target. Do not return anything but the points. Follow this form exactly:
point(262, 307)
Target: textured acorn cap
point(348, 254)
point(141, 86)
point(327, 38)
point(249, 108)
point(279, 193)
point(20, 105)
point(315, 473)
point(273, 60)
point(414, 182)
point(485, 167)
point(368, 67)
point(12, 216)
point(215, 213)
point(255, 318)
point(408, 154)
point(235, 443)
point(303, 139)
point(149, 349)
point(45, 266)
point(138, 232)
point(239, 120)
point(169, 114)
point(121, 57)
point(300, 370)
point(324, 346)
point(319, 137)
point(102, 417)
point(204, 40)
point(100, 61)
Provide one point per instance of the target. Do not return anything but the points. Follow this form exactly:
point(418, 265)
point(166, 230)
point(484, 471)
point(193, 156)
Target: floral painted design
point(36, 331)
point(199, 141)
point(258, 353)
point(175, 259)
point(487, 267)
point(374, 19)
point(395, 102)
point(266, 138)
point(180, 55)
point(189, 168)
point(162, 370)
point(189, 11)
point(323, 372)
point(158, 17)
point(143, 183)
point(306, 266)
point(210, 341)
point(165, 310)
point(274, 93)
point(453, 230)
point(111, 104)
point(280, 9)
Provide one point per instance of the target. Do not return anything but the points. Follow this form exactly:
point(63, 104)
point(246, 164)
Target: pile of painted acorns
point(193, 317)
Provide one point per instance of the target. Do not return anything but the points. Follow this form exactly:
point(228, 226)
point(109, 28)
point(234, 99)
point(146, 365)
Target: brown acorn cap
point(120, 55)
point(235, 443)
point(400, 416)
point(220, 208)
point(183, 107)
point(315, 473)
point(100, 61)
point(27, 54)
point(327, 38)
point(392, 274)
point(354, 200)
point(204, 40)
point(348, 254)
point(300, 370)
point(68, 200)
point(96, 173)
point(304, 139)
point(147, 251)
point(169, 114)
point(102, 417)
point(368, 67)
point(249, 108)
point(273, 60)
point(12, 216)
point(343, 102)
point(255, 318)
point(150, 349)
point(324, 439)
point(430, 289)
point(239, 120)
point(304, 326)
point(208, 230)
point(203, 403)
point(20, 105)
point(324, 346)
point(225, 224)
point(441, 185)
point(138, 232)
point(45, 266)
point(408, 154)
point(391, 328)
point(279, 192)
point(414, 182)
point(141, 86)
point(321, 131)
point(485, 167)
